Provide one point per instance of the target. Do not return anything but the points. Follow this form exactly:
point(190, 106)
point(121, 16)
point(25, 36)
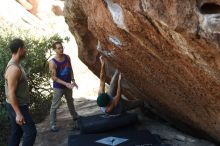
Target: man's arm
point(102, 76)
point(116, 98)
point(12, 75)
point(54, 77)
point(72, 74)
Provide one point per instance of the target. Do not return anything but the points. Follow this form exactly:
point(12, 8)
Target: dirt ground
point(45, 137)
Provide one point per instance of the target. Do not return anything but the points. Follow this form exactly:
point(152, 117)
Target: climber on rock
point(110, 102)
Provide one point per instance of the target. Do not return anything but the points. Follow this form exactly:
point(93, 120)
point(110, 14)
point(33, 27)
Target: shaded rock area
point(87, 107)
point(168, 51)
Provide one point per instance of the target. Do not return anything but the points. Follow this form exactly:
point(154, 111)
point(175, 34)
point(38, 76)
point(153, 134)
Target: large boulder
point(168, 52)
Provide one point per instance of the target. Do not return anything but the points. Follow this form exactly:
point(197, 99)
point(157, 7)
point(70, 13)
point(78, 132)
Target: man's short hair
point(15, 44)
point(103, 100)
point(54, 45)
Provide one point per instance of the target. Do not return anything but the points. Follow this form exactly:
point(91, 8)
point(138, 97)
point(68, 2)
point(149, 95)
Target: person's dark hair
point(15, 44)
point(103, 100)
point(54, 44)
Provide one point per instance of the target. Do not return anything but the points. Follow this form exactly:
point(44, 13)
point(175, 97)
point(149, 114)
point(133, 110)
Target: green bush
point(35, 64)
point(4, 125)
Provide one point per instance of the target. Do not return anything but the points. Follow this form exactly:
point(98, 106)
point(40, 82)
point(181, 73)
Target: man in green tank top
point(16, 89)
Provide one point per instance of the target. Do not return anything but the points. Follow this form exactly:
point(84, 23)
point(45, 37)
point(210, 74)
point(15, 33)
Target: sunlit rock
point(168, 52)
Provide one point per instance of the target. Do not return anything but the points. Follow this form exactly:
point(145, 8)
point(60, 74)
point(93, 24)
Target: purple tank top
point(63, 72)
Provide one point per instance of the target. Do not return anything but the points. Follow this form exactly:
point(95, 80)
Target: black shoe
point(76, 117)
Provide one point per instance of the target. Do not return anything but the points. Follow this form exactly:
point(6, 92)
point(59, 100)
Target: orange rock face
point(168, 52)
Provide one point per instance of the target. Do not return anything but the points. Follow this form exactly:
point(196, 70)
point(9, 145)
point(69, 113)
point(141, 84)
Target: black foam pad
point(103, 122)
point(122, 138)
